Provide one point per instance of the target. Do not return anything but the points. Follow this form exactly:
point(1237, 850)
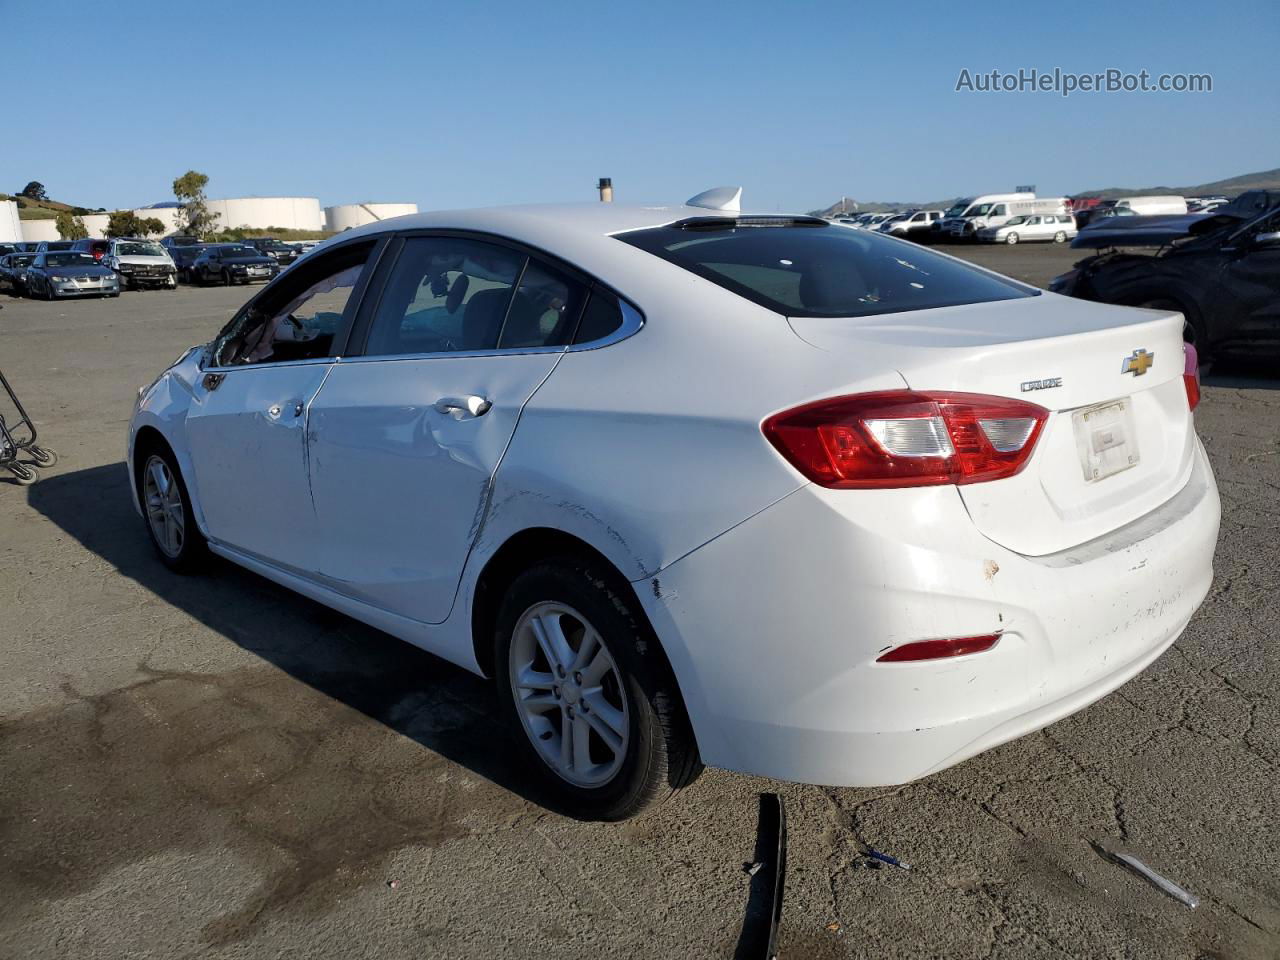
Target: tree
point(34, 191)
point(194, 218)
point(126, 223)
point(71, 227)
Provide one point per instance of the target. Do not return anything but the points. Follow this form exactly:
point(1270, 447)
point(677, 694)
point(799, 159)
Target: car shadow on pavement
point(1237, 374)
point(444, 708)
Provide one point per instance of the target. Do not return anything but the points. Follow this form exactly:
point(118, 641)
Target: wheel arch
point(517, 553)
point(530, 546)
point(145, 440)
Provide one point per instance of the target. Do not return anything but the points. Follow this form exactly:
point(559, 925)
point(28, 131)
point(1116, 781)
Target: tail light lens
point(1191, 374)
point(938, 649)
point(903, 438)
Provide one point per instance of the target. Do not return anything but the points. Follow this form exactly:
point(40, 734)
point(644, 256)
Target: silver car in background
point(69, 274)
point(1059, 228)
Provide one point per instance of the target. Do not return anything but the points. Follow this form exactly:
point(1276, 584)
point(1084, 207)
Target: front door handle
point(463, 407)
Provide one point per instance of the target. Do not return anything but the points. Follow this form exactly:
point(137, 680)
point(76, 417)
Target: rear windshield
point(813, 269)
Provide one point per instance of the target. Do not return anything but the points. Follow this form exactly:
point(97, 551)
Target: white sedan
point(701, 487)
point(1058, 228)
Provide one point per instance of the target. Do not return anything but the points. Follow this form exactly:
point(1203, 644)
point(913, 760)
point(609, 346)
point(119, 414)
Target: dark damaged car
point(1222, 275)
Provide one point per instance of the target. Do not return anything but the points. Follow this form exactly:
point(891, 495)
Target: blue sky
point(475, 104)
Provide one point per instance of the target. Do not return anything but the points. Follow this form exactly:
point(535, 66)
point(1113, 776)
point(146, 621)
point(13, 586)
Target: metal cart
point(18, 440)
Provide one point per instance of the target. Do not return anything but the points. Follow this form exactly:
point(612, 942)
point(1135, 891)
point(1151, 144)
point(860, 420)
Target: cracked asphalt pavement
point(216, 767)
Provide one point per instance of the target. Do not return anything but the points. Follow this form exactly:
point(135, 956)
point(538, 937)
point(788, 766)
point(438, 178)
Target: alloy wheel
point(569, 694)
point(165, 511)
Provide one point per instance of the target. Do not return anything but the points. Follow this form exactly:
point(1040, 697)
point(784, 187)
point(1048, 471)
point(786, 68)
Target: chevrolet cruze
point(698, 487)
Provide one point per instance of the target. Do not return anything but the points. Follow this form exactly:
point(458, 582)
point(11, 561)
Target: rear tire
point(574, 608)
point(1060, 237)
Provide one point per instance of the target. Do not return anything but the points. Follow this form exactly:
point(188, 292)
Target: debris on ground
point(833, 927)
point(768, 870)
point(1162, 884)
point(393, 884)
point(885, 858)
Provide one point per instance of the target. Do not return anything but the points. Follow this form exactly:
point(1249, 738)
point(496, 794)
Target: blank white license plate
point(1106, 438)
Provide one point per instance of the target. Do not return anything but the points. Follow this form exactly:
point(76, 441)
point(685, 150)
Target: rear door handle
point(463, 408)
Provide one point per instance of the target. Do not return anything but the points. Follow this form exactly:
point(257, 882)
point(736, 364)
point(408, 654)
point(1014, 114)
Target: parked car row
point(59, 268)
point(977, 218)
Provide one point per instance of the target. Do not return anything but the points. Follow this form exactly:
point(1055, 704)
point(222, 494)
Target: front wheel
point(1011, 239)
point(167, 508)
point(589, 692)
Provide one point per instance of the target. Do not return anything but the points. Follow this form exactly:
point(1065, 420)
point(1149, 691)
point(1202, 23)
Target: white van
point(983, 216)
point(1152, 206)
point(956, 215)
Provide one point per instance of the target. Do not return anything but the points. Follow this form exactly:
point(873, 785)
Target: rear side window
point(810, 268)
point(545, 309)
point(602, 318)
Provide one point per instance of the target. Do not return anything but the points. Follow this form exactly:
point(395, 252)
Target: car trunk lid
point(1119, 439)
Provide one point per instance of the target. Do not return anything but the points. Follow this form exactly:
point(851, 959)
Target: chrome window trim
point(269, 364)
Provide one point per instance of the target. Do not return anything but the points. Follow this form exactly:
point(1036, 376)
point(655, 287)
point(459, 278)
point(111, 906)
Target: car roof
point(577, 233)
point(582, 219)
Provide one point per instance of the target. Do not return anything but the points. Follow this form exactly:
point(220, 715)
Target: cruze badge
point(1138, 362)
point(1049, 384)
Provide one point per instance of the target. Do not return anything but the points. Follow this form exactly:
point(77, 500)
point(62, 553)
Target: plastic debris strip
point(1163, 884)
point(885, 858)
point(768, 870)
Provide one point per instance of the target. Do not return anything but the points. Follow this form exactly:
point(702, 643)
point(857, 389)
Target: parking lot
point(215, 766)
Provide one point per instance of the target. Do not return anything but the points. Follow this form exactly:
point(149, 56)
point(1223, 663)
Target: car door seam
point(306, 436)
point(486, 499)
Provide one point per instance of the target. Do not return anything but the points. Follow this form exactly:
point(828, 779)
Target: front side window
point(298, 318)
point(999, 210)
point(444, 295)
point(814, 269)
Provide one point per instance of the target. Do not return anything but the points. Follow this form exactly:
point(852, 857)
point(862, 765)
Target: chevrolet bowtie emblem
point(1138, 362)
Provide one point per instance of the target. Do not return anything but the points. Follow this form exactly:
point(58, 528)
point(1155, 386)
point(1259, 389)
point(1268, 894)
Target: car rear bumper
point(774, 628)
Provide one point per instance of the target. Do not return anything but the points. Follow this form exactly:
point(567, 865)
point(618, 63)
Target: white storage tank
point(33, 231)
point(10, 226)
point(258, 213)
point(349, 215)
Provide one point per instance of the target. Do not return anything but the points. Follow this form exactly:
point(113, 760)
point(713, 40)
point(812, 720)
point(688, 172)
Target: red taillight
point(938, 649)
point(1191, 374)
point(901, 438)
